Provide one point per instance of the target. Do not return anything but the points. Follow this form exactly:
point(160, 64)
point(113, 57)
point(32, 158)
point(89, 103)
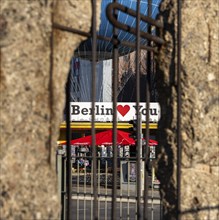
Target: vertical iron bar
point(68, 149)
point(152, 191)
point(179, 103)
point(106, 194)
point(78, 190)
point(128, 205)
point(137, 60)
point(85, 189)
point(94, 153)
point(147, 119)
point(98, 184)
point(120, 214)
point(91, 202)
point(63, 188)
point(115, 82)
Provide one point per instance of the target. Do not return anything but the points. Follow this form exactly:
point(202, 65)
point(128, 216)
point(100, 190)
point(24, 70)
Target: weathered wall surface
point(200, 110)
point(32, 100)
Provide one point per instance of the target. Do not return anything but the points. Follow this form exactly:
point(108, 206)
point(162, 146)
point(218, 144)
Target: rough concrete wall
point(32, 100)
point(200, 110)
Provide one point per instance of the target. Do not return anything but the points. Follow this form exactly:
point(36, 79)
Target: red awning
point(105, 138)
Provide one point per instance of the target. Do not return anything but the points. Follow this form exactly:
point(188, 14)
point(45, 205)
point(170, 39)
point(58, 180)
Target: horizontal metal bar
point(133, 13)
point(115, 42)
point(126, 43)
point(128, 28)
point(144, 47)
point(71, 30)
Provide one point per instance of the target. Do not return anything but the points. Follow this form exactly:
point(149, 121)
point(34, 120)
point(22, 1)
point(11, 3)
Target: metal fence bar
point(78, 190)
point(128, 211)
point(63, 188)
point(139, 150)
point(179, 105)
point(115, 82)
point(99, 37)
point(152, 194)
point(106, 167)
point(120, 214)
point(94, 153)
point(92, 190)
point(98, 185)
point(133, 13)
point(68, 150)
point(147, 134)
point(125, 27)
point(109, 39)
point(85, 189)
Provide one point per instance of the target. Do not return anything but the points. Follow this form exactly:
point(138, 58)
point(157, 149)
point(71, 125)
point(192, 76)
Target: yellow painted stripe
point(104, 125)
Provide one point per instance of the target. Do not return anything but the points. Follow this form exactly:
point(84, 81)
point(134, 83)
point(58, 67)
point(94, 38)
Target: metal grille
point(116, 186)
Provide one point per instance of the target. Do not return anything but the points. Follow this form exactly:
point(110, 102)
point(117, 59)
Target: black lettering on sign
point(84, 111)
point(75, 110)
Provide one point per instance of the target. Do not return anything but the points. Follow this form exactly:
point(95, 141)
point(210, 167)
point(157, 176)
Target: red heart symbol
point(123, 110)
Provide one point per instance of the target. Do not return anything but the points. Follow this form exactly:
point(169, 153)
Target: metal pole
point(138, 114)
point(147, 118)
point(59, 173)
point(63, 188)
point(179, 140)
point(152, 191)
point(115, 86)
point(93, 84)
point(68, 150)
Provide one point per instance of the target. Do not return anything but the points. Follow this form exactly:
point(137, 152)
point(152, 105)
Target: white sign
point(126, 111)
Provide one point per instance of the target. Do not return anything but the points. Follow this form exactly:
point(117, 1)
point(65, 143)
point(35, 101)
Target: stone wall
point(200, 111)
point(34, 67)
